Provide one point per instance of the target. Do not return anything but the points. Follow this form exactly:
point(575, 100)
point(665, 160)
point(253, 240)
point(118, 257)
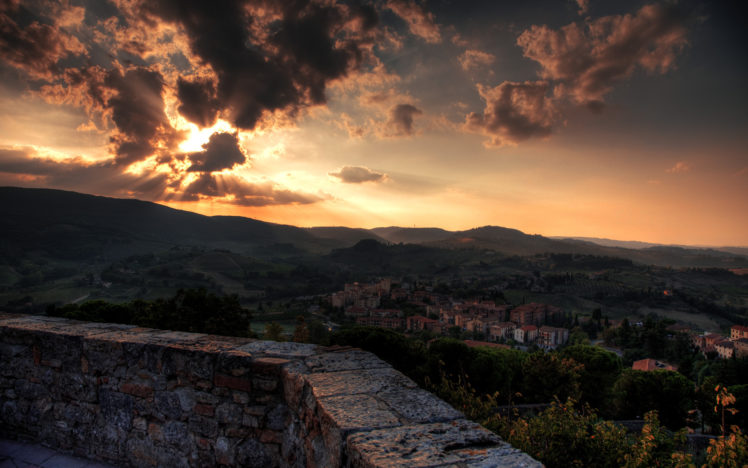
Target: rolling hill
point(77, 226)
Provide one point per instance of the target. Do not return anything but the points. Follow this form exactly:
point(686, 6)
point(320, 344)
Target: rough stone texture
point(457, 443)
point(140, 397)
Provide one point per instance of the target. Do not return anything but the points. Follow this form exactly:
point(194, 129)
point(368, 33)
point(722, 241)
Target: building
point(356, 311)
point(526, 334)
point(650, 365)
point(551, 337)
point(386, 313)
point(395, 323)
point(501, 330)
point(741, 347)
point(738, 331)
point(534, 314)
point(725, 348)
point(418, 323)
point(338, 299)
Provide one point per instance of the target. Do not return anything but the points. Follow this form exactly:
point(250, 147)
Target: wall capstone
point(138, 397)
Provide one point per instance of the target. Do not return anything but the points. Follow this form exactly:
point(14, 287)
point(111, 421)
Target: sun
point(197, 137)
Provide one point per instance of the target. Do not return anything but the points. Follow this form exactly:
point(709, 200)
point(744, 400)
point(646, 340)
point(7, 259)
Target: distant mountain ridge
point(74, 225)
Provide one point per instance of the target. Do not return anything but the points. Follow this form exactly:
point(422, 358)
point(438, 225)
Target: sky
point(602, 118)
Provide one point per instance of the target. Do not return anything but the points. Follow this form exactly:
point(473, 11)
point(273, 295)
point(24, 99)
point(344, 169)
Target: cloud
point(26, 167)
point(400, 121)
point(584, 5)
point(358, 175)
point(472, 59)
point(679, 167)
point(514, 112)
point(198, 102)
point(266, 57)
point(238, 191)
point(420, 21)
point(586, 60)
point(36, 48)
point(137, 110)
point(222, 151)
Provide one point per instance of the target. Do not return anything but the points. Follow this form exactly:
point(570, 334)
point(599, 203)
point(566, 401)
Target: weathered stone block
point(225, 451)
point(141, 390)
point(252, 454)
point(285, 349)
point(168, 405)
point(265, 384)
point(206, 427)
point(176, 434)
point(278, 417)
point(418, 406)
point(204, 409)
point(229, 381)
point(229, 413)
point(355, 382)
point(356, 413)
point(354, 359)
point(457, 443)
point(116, 408)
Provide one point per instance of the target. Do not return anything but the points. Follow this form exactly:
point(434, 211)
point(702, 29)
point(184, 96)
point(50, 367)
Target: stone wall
point(142, 397)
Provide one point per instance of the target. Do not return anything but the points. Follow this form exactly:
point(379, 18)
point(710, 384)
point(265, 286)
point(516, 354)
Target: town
point(496, 325)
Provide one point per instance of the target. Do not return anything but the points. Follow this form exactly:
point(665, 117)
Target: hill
point(71, 225)
point(397, 234)
point(75, 226)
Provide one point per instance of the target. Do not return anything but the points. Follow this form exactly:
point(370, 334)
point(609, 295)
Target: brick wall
point(142, 397)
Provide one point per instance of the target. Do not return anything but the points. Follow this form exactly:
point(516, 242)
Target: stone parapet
point(139, 397)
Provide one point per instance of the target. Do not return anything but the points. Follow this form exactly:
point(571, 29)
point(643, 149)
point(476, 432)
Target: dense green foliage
point(638, 392)
point(192, 310)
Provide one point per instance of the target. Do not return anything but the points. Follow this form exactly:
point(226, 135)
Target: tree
point(638, 392)
point(301, 332)
point(273, 332)
point(563, 436)
point(727, 451)
point(600, 372)
point(548, 375)
point(578, 337)
point(656, 447)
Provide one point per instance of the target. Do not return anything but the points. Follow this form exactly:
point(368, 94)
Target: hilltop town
point(415, 310)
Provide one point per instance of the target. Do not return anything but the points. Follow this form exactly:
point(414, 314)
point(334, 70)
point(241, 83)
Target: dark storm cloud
point(586, 60)
point(198, 101)
point(357, 175)
point(137, 109)
point(400, 122)
point(36, 47)
point(241, 192)
point(284, 65)
point(220, 152)
point(514, 112)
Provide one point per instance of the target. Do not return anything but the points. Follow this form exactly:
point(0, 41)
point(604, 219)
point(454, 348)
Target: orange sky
point(620, 122)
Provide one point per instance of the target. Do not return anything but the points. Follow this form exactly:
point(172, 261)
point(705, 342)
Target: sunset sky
point(618, 119)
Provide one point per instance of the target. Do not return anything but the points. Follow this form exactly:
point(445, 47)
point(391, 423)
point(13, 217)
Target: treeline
point(190, 310)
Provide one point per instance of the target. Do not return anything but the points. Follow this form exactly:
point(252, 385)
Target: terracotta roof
point(473, 344)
